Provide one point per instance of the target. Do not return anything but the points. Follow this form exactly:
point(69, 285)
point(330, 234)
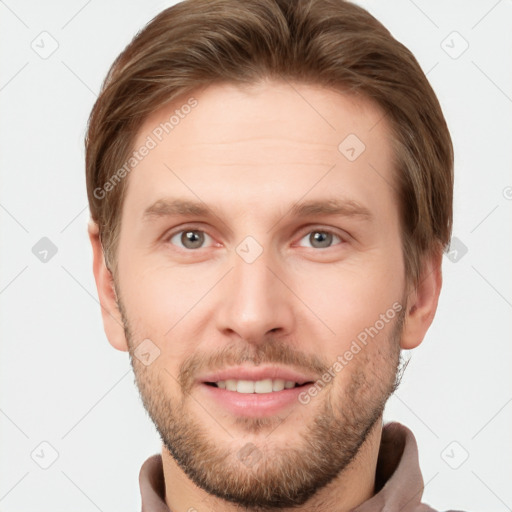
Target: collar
point(398, 480)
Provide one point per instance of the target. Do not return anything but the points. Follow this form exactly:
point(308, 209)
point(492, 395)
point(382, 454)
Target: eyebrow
point(190, 208)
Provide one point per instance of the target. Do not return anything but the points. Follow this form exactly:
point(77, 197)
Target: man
point(270, 185)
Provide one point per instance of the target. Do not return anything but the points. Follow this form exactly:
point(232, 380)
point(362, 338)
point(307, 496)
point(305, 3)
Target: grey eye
point(320, 239)
point(189, 239)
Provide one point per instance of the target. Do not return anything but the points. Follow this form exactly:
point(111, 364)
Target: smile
point(259, 386)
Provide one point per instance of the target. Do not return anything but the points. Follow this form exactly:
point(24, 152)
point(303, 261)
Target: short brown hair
point(332, 43)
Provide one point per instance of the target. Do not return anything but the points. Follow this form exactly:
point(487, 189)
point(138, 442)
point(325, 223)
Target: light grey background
point(63, 384)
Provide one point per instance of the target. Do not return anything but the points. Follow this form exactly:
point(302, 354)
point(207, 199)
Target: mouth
point(258, 386)
point(254, 391)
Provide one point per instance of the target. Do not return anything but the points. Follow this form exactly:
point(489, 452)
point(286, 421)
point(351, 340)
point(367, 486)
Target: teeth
point(230, 385)
point(263, 386)
point(258, 386)
point(278, 385)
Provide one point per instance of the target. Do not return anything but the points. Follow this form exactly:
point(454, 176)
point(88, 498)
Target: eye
point(192, 239)
point(189, 239)
point(321, 238)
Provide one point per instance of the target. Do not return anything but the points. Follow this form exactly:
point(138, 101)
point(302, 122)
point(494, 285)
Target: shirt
point(398, 479)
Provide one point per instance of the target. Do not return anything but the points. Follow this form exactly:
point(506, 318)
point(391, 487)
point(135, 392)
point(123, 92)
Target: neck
point(349, 489)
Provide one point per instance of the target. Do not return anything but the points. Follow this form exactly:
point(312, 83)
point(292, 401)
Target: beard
point(259, 476)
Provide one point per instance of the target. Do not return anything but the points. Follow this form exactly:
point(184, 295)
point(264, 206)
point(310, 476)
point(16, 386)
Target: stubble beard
point(260, 475)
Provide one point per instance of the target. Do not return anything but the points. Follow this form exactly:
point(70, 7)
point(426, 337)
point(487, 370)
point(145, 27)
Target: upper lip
point(257, 373)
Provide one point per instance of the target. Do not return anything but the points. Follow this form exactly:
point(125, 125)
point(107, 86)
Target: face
point(260, 266)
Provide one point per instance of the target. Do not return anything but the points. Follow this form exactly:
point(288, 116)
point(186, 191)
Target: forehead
point(263, 141)
point(225, 113)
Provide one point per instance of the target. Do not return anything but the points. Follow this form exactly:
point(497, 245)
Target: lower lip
point(254, 405)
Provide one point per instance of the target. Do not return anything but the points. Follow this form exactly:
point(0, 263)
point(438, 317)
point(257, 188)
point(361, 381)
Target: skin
point(250, 154)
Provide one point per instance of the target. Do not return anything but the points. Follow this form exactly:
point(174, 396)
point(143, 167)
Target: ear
point(422, 301)
point(112, 321)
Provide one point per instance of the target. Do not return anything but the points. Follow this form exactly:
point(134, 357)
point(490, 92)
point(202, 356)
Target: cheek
point(158, 303)
point(351, 296)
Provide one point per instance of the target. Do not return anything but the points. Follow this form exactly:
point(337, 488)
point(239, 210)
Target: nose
point(255, 300)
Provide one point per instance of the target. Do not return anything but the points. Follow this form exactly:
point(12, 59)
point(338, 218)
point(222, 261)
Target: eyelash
point(313, 230)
